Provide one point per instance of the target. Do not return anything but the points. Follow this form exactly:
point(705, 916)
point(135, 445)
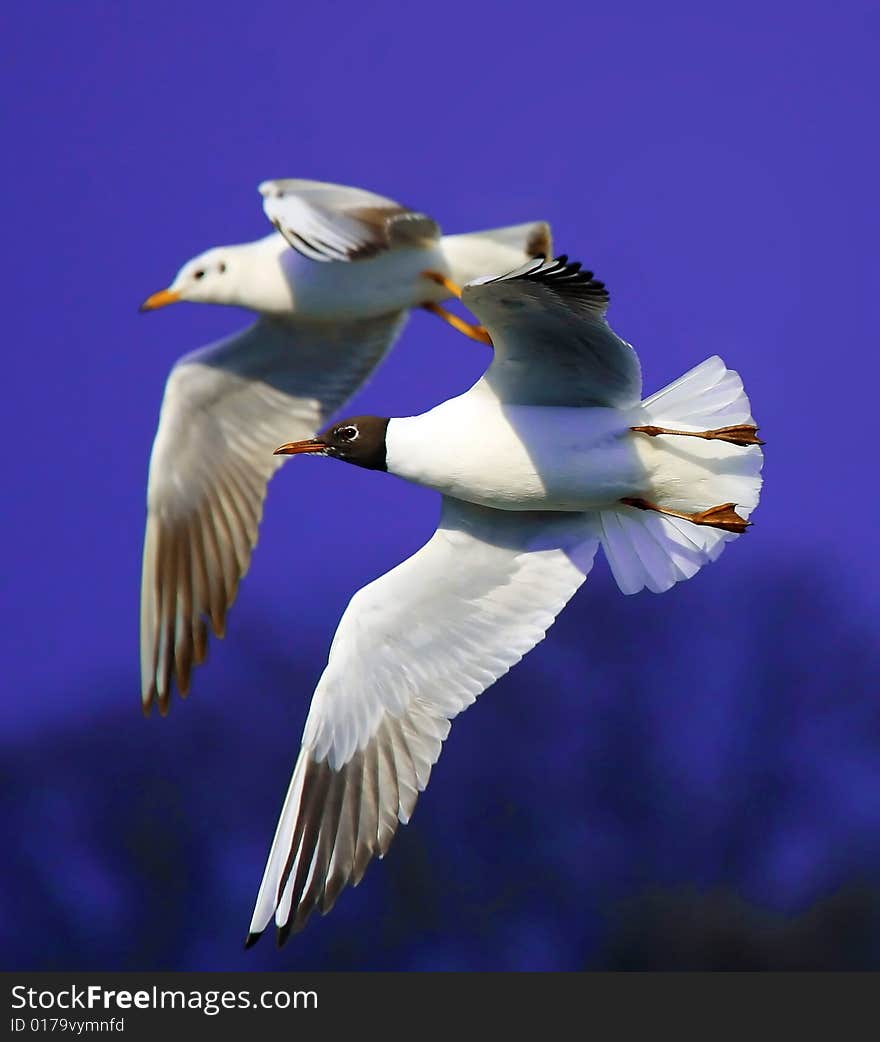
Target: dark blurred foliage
point(686, 930)
point(608, 804)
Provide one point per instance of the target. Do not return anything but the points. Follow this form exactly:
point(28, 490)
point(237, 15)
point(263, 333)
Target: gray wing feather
point(552, 343)
point(226, 407)
point(326, 222)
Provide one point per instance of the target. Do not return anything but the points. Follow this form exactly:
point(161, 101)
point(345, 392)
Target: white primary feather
point(412, 650)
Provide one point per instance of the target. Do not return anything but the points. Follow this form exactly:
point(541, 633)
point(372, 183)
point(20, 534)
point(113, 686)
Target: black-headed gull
point(549, 455)
point(322, 330)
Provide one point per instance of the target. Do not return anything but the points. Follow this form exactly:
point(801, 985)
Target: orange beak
point(294, 448)
point(159, 300)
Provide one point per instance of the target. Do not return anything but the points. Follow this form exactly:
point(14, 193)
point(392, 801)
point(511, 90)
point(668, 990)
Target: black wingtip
point(282, 933)
point(567, 277)
point(252, 939)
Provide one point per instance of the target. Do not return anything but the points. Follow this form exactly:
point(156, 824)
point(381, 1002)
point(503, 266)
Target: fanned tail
point(646, 549)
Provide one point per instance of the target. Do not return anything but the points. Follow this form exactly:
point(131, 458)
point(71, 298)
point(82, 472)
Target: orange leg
point(469, 329)
point(724, 516)
point(739, 434)
point(451, 287)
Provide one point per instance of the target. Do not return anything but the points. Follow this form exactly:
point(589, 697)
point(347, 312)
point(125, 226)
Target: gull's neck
point(426, 449)
point(260, 282)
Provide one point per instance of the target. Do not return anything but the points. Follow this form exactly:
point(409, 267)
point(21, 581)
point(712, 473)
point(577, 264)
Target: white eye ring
point(349, 433)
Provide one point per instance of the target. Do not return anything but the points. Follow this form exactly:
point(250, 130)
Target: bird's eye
point(200, 274)
point(221, 267)
point(347, 433)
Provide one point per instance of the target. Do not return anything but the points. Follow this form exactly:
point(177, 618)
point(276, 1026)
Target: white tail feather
point(709, 395)
point(650, 550)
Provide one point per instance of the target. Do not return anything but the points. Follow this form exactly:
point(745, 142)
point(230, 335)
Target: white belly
point(519, 457)
point(389, 282)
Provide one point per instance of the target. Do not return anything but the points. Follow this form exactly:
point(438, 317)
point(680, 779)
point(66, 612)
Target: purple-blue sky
point(718, 170)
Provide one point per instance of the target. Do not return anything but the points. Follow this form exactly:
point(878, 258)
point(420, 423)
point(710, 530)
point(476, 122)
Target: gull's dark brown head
point(359, 440)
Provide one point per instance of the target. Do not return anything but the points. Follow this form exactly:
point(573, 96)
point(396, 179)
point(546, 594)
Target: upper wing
point(552, 343)
point(412, 650)
point(327, 222)
point(225, 409)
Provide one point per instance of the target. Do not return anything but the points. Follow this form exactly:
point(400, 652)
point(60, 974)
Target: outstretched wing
point(552, 343)
point(413, 649)
point(327, 222)
point(225, 409)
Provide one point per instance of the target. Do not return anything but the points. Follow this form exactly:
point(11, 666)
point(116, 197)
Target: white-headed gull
point(549, 455)
point(329, 310)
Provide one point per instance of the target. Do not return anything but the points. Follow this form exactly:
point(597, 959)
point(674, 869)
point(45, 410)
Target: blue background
point(685, 781)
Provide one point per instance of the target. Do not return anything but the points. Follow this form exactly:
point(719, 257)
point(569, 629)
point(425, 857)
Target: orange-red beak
point(294, 448)
point(159, 300)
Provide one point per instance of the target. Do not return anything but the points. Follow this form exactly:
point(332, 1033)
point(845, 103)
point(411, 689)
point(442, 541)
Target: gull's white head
point(247, 275)
point(209, 278)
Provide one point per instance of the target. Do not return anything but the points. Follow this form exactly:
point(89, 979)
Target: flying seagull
point(332, 292)
point(548, 456)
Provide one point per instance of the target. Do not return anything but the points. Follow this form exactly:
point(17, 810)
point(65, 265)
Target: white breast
point(392, 281)
point(518, 457)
